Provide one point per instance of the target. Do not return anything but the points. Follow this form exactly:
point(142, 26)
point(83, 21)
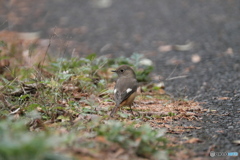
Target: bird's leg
point(113, 112)
point(135, 105)
point(138, 114)
point(131, 110)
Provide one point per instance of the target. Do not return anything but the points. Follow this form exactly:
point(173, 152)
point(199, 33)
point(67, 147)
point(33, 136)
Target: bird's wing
point(124, 88)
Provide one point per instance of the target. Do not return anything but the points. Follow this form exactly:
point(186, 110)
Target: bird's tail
point(113, 112)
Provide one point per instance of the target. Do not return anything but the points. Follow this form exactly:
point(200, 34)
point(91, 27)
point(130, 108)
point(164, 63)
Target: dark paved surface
point(142, 26)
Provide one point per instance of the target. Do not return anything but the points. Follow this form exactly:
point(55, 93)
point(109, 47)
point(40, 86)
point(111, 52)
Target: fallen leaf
point(185, 47)
point(237, 141)
point(223, 98)
point(146, 62)
point(165, 48)
point(229, 51)
point(4, 63)
point(196, 58)
point(220, 131)
point(190, 113)
point(167, 126)
point(193, 140)
point(101, 139)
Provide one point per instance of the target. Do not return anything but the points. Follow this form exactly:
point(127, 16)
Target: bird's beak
point(114, 71)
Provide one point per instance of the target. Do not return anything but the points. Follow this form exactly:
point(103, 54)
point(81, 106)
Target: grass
point(60, 111)
point(44, 107)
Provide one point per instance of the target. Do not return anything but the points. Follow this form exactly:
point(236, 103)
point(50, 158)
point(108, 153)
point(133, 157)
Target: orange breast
point(129, 101)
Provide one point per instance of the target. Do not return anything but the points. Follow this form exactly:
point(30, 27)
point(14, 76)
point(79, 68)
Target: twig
point(5, 102)
point(172, 72)
point(13, 112)
point(99, 68)
point(87, 152)
point(8, 84)
point(3, 23)
point(153, 113)
point(65, 47)
point(73, 52)
point(49, 44)
point(168, 79)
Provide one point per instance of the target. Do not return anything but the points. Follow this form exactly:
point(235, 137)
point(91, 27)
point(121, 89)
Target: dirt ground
point(194, 46)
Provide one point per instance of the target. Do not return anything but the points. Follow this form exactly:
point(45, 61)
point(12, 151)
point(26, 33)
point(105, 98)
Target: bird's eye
point(121, 70)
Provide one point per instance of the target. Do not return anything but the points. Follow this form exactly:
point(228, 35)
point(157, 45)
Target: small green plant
point(3, 44)
point(17, 143)
point(144, 141)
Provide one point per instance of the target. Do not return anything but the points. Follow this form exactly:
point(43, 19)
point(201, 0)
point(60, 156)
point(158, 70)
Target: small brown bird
point(125, 88)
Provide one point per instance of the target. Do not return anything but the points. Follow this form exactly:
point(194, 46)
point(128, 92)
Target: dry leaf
point(4, 63)
point(196, 58)
point(237, 142)
point(190, 113)
point(193, 140)
point(220, 131)
point(229, 51)
point(101, 139)
point(185, 47)
point(223, 98)
point(165, 48)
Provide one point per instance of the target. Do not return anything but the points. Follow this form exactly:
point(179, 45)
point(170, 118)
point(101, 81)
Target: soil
point(205, 67)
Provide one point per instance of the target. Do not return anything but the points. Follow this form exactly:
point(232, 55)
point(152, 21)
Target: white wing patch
point(128, 90)
point(115, 91)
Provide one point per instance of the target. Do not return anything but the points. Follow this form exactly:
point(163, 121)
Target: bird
point(125, 89)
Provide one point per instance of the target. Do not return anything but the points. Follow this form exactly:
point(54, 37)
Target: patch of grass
point(16, 142)
point(144, 141)
point(62, 107)
point(67, 94)
point(171, 114)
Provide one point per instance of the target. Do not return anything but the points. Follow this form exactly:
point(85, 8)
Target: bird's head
point(125, 70)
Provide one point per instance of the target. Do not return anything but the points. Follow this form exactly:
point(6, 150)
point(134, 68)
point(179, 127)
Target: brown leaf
point(196, 58)
point(101, 139)
point(223, 98)
point(190, 113)
point(167, 126)
point(79, 95)
point(220, 131)
point(229, 51)
point(165, 48)
point(193, 140)
point(36, 124)
point(3, 65)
